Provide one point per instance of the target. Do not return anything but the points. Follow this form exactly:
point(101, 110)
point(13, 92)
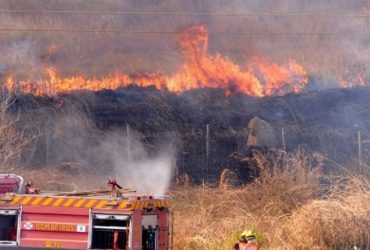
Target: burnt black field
point(70, 126)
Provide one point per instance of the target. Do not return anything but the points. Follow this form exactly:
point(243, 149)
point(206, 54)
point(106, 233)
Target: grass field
point(294, 207)
point(288, 208)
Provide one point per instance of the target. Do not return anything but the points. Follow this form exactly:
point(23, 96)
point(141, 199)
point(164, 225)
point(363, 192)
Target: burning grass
point(287, 207)
point(260, 77)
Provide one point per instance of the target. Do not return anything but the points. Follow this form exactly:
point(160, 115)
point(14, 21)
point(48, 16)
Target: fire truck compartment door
point(9, 227)
point(110, 231)
point(150, 232)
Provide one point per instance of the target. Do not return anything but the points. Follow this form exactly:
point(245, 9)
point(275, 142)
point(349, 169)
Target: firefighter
point(114, 187)
point(113, 184)
point(247, 241)
point(30, 189)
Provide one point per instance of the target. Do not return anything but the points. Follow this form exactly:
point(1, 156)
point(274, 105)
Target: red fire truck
point(110, 219)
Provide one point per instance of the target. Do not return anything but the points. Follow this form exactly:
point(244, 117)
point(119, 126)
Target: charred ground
point(71, 127)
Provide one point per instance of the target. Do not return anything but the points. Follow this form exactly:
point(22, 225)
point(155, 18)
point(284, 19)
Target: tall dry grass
point(286, 205)
point(341, 221)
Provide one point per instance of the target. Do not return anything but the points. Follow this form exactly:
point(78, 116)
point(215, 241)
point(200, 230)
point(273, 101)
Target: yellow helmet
point(247, 235)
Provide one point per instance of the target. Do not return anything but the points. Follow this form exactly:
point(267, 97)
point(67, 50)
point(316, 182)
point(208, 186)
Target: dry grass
point(286, 206)
point(341, 221)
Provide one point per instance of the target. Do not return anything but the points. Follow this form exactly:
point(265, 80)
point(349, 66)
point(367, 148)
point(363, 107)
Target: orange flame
point(10, 82)
point(354, 78)
point(200, 70)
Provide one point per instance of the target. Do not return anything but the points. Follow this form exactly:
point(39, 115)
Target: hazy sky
point(324, 36)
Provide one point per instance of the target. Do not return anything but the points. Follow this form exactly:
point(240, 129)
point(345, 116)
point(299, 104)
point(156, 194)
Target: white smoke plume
point(134, 167)
point(75, 145)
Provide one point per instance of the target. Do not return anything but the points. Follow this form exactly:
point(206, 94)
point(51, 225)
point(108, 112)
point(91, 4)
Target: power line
point(175, 13)
point(129, 32)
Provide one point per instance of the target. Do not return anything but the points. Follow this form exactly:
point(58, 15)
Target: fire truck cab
point(83, 220)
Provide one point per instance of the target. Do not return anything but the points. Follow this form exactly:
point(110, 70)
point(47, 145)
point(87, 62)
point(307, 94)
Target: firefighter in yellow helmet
point(247, 241)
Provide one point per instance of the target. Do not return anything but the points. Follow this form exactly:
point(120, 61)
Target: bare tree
point(13, 132)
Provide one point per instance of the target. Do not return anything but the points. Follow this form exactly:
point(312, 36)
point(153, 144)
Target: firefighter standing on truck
point(247, 241)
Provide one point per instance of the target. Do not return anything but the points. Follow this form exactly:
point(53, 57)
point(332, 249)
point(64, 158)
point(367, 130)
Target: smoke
point(326, 37)
point(19, 54)
point(134, 166)
point(75, 145)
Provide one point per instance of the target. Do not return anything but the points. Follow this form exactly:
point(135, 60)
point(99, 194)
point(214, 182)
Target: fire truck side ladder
point(97, 192)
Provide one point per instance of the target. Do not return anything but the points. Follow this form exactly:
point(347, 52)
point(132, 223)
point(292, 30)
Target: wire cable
point(129, 32)
point(175, 13)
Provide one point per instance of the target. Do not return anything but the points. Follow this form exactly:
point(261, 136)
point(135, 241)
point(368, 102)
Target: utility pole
point(283, 139)
point(359, 150)
point(128, 150)
point(207, 150)
point(361, 143)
